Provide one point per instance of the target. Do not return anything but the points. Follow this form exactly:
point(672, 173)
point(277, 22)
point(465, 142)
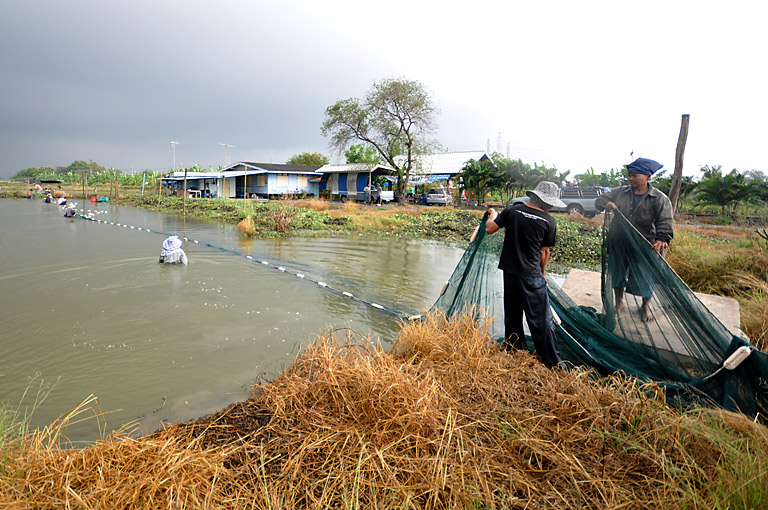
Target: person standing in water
point(172, 252)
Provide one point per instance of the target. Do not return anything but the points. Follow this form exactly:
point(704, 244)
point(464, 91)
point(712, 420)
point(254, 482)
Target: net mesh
point(682, 349)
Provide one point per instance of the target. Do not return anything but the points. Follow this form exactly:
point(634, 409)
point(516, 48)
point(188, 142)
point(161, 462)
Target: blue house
point(268, 180)
point(349, 181)
point(198, 184)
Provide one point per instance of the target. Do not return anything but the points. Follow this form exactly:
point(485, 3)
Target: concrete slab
point(583, 287)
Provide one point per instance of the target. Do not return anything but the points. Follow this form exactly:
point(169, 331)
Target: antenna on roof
point(226, 159)
point(174, 143)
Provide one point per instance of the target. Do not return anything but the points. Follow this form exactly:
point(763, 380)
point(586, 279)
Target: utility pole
point(226, 159)
point(677, 177)
point(174, 144)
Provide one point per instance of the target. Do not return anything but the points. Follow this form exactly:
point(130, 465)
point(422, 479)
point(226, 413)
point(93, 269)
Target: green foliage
point(35, 174)
point(396, 118)
point(724, 191)
point(515, 176)
point(611, 179)
point(308, 158)
point(577, 245)
point(664, 183)
point(360, 153)
point(480, 177)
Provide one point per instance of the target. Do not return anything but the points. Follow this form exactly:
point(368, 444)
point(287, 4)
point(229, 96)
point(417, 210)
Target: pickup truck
point(578, 199)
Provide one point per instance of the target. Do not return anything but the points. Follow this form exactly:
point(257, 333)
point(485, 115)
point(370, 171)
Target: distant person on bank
point(529, 233)
point(172, 252)
point(650, 211)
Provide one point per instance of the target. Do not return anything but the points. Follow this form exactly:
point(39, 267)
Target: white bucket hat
point(546, 191)
point(171, 244)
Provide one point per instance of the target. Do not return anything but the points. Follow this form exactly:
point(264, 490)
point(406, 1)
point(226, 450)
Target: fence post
point(677, 177)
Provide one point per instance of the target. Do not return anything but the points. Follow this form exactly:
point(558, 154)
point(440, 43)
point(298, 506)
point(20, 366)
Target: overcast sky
point(571, 84)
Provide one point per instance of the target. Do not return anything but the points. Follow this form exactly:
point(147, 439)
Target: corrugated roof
point(445, 163)
point(354, 167)
point(253, 168)
point(194, 175)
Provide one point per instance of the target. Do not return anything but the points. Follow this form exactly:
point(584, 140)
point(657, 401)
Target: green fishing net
point(684, 349)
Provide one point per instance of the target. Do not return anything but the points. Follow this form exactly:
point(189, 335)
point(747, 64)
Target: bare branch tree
point(397, 119)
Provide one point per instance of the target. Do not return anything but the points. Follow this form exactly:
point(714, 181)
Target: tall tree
point(359, 153)
point(396, 118)
point(308, 158)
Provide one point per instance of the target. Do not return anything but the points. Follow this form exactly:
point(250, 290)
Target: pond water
point(85, 305)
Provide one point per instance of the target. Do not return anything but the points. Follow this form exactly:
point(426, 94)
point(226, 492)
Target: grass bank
point(441, 420)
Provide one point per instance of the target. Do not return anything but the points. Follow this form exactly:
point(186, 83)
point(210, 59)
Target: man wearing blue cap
point(650, 211)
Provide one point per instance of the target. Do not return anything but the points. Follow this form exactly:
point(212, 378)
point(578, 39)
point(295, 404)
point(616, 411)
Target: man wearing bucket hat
point(172, 252)
point(529, 234)
point(650, 211)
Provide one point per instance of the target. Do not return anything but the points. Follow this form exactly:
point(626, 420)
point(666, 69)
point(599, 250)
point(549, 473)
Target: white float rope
point(263, 262)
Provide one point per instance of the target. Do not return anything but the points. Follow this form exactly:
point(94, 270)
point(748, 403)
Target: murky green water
point(86, 305)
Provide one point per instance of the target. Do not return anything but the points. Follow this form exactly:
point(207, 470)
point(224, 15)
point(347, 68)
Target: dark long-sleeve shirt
point(652, 216)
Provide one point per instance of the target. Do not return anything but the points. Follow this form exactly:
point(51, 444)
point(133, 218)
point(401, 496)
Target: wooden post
point(677, 177)
point(184, 199)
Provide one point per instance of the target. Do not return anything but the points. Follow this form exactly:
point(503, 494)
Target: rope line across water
point(282, 269)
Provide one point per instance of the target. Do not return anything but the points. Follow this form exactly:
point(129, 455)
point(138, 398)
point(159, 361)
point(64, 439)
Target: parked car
point(439, 196)
point(359, 196)
point(578, 199)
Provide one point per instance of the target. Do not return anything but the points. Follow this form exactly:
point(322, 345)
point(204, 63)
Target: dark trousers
point(529, 295)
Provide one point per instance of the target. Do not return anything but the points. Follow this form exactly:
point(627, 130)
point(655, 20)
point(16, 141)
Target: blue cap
point(644, 166)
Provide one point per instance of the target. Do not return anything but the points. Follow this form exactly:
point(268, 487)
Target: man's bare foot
point(620, 307)
point(647, 315)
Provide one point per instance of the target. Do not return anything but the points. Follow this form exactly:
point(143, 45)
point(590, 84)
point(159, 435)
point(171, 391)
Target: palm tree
point(480, 177)
point(724, 191)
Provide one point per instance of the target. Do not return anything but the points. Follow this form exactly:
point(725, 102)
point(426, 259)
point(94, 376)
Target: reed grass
point(728, 262)
point(315, 204)
point(14, 419)
point(441, 420)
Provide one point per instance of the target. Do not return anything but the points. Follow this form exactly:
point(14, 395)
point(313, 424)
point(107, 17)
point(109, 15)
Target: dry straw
point(442, 420)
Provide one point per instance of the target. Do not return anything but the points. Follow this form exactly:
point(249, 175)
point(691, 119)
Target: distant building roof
point(253, 168)
point(192, 175)
point(446, 162)
point(356, 168)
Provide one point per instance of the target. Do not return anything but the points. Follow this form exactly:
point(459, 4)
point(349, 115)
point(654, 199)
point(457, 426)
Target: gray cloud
point(115, 82)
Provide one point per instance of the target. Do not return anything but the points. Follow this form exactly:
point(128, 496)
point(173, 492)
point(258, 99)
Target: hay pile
point(440, 421)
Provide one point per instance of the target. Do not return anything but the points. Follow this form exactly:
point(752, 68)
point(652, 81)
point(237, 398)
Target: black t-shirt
point(527, 230)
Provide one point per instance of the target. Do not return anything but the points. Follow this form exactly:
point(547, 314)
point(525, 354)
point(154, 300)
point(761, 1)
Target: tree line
point(90, 174)
point(502, 178)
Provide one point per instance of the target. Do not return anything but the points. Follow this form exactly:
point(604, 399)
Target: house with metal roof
point(249, 180)
point(268, 180)
point(350, 180)
point(442, 167)
point(199, 184)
